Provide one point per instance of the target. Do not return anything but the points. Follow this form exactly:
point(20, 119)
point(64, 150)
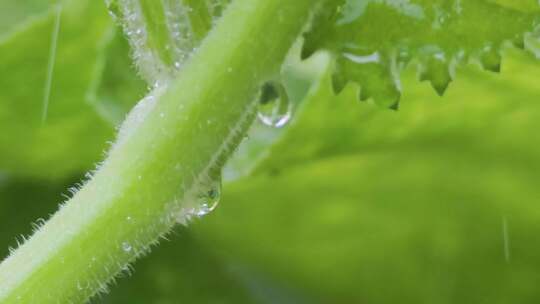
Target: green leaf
point(24, 201)
point(15, 13)
point(117, 88)
point(57, 132)
point(374, 40)
point(432, 204)
point(373, 207)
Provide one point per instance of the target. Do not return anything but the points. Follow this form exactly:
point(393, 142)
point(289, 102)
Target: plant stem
point(163, 161)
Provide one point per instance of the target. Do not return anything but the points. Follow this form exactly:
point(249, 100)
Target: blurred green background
point(435, 203)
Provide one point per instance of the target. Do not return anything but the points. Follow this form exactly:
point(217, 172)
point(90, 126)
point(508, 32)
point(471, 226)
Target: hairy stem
point(159, 165)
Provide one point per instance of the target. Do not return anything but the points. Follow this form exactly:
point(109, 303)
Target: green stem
point(159, 163)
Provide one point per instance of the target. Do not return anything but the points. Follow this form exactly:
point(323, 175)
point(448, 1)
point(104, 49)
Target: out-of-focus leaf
point(15, 13)
point(469, 115)
point(69, 134)
point(117, 88)
point(377, 206)
point(25, 201)
point(374, 39)
point(436, 203)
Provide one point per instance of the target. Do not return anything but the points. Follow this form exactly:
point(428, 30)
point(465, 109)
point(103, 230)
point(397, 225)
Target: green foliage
point(371, 205)
point(434, 203)
point(401, 207)
point(374, 40)
point(386, 207)
point(13, 13)
point(72, 134)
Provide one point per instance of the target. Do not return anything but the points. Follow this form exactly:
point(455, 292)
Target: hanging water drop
point(202, 203)
point(208, 199)
point(275, 108)
point(364, 59)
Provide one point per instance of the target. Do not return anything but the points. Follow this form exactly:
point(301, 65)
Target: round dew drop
point(208, 200)
point(204, 202)
point(275, 108)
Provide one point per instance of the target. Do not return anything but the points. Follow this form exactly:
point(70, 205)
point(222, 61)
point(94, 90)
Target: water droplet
point(371, 58)
point(205, 201)
point(275, 109)
point(208, 199)
point(126, 246)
